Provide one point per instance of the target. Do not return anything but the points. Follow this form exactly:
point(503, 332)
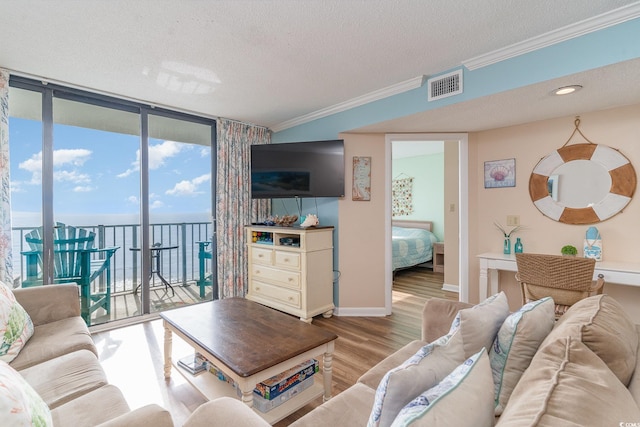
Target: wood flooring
point(132, 356)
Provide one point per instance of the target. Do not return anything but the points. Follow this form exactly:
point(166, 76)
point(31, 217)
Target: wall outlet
point(452, 207)
point(513, 220)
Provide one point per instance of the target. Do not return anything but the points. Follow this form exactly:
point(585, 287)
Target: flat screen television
point(298, 169)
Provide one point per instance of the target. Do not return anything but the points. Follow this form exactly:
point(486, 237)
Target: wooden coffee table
point(249, 343)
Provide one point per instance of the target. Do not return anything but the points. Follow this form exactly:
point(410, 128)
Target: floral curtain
point(234, 207)
point(6, 258)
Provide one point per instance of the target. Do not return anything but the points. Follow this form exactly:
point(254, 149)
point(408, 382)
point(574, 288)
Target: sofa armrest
point(46, 304)
point(147, 416)
point(437, 315)
point(225, 411)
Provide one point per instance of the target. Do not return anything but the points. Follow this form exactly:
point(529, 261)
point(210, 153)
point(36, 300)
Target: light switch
point(513, 220)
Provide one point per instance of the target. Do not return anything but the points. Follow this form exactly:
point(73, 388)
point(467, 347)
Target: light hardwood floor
point(132, 356)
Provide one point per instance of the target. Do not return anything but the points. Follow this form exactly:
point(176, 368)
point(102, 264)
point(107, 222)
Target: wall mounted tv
point(298, 169)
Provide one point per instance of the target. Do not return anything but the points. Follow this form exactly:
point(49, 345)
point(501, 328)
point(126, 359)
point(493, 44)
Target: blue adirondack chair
point(75, 260)
point(205, 279)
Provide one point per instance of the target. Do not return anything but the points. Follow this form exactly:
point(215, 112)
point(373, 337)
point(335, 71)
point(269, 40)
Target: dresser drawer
point(290, 279)
point(287, 260)
point(262, 256)
point(276, 293)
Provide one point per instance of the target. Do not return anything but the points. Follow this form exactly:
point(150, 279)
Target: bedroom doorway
point(427, 176)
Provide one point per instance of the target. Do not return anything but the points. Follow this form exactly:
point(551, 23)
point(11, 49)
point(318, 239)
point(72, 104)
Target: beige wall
point(362, 241)
point(618, 128)
point(362, 237)
point(451, 212)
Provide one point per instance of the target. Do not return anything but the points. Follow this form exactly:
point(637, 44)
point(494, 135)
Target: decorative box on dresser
point(291, 269)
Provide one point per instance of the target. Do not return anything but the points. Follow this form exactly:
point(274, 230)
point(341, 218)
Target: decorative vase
point(507, 246)
point(517, 248)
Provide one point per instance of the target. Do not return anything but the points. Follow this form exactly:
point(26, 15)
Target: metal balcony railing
point(179, 266)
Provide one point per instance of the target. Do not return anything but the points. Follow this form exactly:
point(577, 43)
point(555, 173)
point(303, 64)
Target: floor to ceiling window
point(120, 186)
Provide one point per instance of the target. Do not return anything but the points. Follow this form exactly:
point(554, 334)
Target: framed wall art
point(500, 173)
point(361, 185)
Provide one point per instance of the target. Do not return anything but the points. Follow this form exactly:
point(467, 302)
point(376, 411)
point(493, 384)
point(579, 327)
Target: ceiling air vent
point(444, 85)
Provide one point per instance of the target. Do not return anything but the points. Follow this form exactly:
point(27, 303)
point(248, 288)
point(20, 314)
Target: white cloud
point(158, 154)
point(156, 204)
point(63, 158)
point(189, 188)
point(82, 189)
point(133, 200)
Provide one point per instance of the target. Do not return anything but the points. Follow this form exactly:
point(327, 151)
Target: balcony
point(180, 266)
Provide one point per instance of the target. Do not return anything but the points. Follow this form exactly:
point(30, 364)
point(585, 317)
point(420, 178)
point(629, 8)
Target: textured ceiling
point(269, 61)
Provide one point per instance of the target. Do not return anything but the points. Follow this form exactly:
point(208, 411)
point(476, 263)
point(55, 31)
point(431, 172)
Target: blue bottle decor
point(507, 246)
point(518, 246)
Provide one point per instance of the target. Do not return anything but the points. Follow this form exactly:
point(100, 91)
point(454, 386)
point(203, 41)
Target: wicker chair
point(566, 279)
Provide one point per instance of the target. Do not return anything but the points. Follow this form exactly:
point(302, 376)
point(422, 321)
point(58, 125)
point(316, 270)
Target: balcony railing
point(179, 266)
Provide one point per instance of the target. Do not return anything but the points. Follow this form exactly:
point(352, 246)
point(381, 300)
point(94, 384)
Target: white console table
point(620, 273)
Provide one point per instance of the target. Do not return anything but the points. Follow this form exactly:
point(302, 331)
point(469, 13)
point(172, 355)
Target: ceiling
point(271, 61)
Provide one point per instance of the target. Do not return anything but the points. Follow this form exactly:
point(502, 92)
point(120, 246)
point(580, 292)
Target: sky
point(97, 173)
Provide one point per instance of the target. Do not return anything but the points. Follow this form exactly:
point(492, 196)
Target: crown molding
point(386, 92)
point(590, 25)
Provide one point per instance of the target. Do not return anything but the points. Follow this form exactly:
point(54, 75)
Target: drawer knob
point(286, 260)
point(257, 271)
point(290, 298)
point(291, 279)
point(260, 256)
point(257, 288)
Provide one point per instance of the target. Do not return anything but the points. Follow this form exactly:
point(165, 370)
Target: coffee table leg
point(327, 371)
point(168, 345)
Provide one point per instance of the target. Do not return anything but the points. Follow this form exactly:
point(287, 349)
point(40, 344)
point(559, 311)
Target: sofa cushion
point(20, 405)
point(515, 345)
point(16, 326)
point(55, 339)
point(91, 409)
point(426, 368)
point(374, 375)
point(64, 378)
point(349, 408)
point(480, 323)
point(634, 384)
point(602, 324)
point(567, 384)
point(441, 404)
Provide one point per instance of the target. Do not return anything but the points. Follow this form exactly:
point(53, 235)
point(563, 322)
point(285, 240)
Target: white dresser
point(291, 269)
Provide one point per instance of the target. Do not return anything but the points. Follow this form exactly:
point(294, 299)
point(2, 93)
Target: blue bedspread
point(411, 246)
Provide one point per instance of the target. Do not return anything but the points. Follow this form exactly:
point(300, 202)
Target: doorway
point(455, 215)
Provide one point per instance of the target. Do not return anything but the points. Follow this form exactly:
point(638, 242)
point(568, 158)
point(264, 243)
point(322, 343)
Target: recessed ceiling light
point(565, 90)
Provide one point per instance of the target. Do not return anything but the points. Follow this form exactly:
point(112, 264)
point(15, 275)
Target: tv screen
point(298, 169)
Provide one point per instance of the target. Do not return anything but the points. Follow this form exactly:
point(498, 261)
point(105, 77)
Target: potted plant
point(569, 250)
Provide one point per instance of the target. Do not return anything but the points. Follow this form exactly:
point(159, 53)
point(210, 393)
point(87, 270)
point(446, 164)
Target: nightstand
point(438, 257)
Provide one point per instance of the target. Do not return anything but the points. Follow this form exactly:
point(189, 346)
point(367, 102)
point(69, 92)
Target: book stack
point(194, 363)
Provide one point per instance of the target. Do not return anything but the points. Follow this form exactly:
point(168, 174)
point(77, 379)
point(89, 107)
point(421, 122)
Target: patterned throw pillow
point(473, 329)
point(20, 405)
point(427, 367)
point(460, 399)
point(515, 345)
point(16, 326)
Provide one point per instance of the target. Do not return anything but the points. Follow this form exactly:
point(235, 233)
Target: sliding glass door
point(114, 196)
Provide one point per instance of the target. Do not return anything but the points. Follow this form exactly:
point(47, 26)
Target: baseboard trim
point(450, 288)
point(360, 311)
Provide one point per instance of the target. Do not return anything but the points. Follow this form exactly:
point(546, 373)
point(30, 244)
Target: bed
point(412, 243)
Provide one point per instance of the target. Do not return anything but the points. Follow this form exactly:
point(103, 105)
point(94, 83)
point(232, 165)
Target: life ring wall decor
point(621, 172)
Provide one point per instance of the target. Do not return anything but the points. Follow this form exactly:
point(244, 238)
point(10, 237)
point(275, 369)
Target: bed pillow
point(602, 324)
point(515, 345)
point(567, 384)
point(421, 371)
point(480, 324)
point(16, 326)
point(20, 405)
point(461, 399)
